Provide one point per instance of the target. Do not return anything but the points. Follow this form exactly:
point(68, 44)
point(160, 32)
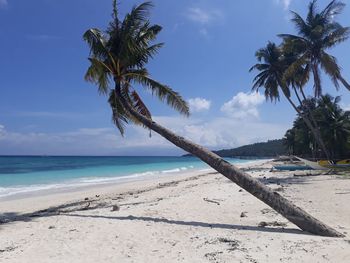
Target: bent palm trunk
point(291, 212)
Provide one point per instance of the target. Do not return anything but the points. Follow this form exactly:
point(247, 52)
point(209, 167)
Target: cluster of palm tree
point(118, 60)
point(287, 68)
point(334, 124)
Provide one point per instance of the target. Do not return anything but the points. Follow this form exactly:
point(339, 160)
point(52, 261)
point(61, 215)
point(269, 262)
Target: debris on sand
point(274, 223)
point(115, 208)
point(243, 214)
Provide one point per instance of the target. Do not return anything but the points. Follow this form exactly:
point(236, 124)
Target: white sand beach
point(187, 218)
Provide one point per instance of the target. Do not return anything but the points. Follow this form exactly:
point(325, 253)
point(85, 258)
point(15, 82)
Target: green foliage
point(270, 148)
point(316, 34)
point(291, 63)
point(287, 67)
point(119, 55)
point(334, 124)
point(271, 69)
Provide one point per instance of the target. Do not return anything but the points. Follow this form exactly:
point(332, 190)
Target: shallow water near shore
point(26, 174)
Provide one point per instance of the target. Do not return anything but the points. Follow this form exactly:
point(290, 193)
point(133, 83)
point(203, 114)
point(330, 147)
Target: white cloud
point(223, 132)
point(216, 133)
point(3, 3)
point(199, 104)
point(2, 130)
point(285, 3)
point(243, 105)
point(202, 16)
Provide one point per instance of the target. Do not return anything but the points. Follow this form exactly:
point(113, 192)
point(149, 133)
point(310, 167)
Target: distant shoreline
point(67, 174)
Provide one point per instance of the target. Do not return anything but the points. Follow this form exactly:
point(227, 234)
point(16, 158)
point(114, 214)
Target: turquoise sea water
point(20, 175)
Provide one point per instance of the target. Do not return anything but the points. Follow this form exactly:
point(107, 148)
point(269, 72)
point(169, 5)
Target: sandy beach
point(198, 217)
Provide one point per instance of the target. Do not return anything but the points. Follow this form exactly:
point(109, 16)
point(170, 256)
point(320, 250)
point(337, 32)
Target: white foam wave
point(84, 181)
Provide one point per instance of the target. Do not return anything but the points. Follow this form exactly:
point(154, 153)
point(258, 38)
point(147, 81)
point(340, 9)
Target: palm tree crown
point(271, 69)
point(120, 54)
point(316, 34)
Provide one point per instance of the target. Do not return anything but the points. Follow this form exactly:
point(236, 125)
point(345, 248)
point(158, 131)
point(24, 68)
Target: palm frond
point(292, 37)
point(97, 43)
point(148, 33)
point(293, 68)
point(311, 12)
point(171, 97)
point(162, 92)
point(153, 50)
point(263, 74)
point(259, 67)
point(330, 66)
point(126, 93)
point(119, 114)
point(139, 105)
point(337, 36)
point(129, 42)
point(300, 24)
point(98, 63)
point(259, 82)
point(115, 10)
point(98, 73)
point(271, 89)
point(332, 9)
point(138, 15)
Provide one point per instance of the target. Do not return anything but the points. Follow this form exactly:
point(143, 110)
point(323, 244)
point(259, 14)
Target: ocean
point(28, 174)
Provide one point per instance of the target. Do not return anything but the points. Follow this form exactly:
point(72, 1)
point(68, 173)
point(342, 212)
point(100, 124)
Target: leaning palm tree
point(119, 57)
point(316, 34)
point(273, 63)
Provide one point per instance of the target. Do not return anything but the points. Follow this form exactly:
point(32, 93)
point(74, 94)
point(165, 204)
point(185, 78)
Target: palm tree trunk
point(317, 80)
point(297, 95)
point(315, 131)
point(312, 119)
point(293, 213)
point(344, 82)
point(316, 127)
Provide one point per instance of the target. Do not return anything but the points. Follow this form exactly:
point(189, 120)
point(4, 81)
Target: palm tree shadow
point(10, 217)
point(194, 223)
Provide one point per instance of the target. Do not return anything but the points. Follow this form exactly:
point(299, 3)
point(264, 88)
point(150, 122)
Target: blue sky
point(46, 107)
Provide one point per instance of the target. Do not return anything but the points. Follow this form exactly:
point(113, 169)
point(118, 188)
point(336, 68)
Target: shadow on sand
point(6, 218)
point(193, 223)
point(70, 210)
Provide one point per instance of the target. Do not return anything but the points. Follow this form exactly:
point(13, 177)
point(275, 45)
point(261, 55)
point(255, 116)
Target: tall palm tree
point(119, 56)
point(289, 141)
point(316, 34)
point(273, 63)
